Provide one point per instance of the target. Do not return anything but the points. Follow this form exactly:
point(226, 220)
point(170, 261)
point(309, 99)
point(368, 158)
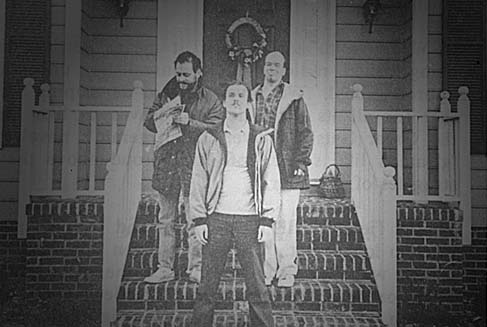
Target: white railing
point(374, 197)
point(45, 168)
point(444, 173)
point(123, 187)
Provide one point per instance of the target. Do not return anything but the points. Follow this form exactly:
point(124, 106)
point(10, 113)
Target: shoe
point(195, 276)
point(160, 276)
point(268, 282)
point(286, 281)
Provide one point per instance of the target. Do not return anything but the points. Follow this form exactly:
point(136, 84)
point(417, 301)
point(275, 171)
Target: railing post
point(464, 164)
point(25, 166)
point(389, 254)
point(357, 106)
point(446, 172)
point(123, 187)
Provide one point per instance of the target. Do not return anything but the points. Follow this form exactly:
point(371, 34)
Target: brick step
point(225, 318)
point(315, 264)
point(312, 210)
point(309, 237)
point(305, 295)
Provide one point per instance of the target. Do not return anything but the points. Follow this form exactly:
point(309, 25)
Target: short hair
point(188, 56)
point(232, 83)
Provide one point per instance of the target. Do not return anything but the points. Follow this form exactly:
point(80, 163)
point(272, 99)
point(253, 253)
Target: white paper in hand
point(163, 119)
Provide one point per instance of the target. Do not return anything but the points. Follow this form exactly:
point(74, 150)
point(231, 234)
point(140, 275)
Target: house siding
point(378, 61)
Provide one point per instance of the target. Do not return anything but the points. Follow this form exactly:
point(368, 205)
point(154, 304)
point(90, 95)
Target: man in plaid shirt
point(279, 106)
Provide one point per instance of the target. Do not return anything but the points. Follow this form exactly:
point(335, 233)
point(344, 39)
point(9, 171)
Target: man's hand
point(182, 118)
point(298, 172)
point(264, 234)
point(201, 233)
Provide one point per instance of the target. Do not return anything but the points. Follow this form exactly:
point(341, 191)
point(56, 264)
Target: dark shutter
point(27, 38)
point(465, 62)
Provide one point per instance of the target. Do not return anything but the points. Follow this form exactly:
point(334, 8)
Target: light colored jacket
point(207, 176)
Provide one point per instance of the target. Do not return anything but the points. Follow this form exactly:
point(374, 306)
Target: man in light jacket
point(234, 197)
point(173, 161)
point(281, 107)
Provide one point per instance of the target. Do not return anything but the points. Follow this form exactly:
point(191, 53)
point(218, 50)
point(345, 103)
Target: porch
point(397, 153)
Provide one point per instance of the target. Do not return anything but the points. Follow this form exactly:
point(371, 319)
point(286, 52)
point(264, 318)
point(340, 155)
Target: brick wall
point(64, 249)
point(12, 255)
point(430, 258)
point(475, 272)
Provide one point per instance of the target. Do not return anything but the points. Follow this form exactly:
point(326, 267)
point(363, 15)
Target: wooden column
point(420, 98)
point(72, 42)
point(312, 67)
point(179, 28)
point(464, 165)
point(25, 164)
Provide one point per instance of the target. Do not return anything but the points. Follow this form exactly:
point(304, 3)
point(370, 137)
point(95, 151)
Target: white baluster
point(446, 173)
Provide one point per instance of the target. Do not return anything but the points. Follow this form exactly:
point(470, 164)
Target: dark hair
point(188, 56)
point(232, 83)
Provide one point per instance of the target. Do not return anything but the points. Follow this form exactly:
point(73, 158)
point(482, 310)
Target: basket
point(331, 185)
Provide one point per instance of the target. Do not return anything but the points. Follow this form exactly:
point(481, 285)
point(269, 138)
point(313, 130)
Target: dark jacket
point(293, 137)
point(209, 165)
point(173, 161)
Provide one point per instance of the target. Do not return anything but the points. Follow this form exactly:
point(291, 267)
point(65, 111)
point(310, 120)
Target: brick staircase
point(334, 285)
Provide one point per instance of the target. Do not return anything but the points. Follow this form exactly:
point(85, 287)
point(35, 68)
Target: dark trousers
point(223, 230)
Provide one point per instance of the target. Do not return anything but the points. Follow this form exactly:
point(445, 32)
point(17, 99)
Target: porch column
point(72, 42)
point(420, 99)
point(179, 28)
point(312, 67)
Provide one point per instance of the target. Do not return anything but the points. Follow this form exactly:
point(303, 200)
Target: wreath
point(246, 55)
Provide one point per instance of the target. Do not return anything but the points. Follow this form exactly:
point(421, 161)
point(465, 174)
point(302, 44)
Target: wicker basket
point(331, 185)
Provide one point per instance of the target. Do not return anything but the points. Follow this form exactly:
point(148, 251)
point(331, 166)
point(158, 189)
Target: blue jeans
point(223, 230)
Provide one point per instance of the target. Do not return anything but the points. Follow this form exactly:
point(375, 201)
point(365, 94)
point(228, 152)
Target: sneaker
point(286, 281)
point(195, 276)
point(160, 276)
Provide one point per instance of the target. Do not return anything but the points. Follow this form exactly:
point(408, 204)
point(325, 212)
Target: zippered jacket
point(293, 137)
point(209, 164)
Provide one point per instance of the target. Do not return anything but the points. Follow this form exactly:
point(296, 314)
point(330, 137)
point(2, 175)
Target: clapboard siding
point(479, 190)
point(375, 60)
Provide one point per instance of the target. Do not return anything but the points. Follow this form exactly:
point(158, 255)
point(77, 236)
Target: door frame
point(312, 60)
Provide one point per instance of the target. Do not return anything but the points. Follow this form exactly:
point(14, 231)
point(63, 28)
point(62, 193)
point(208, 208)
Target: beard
point(186, 87)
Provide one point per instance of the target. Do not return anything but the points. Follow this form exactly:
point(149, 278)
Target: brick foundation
point(64, 250)
point(12, 260)
point(475, 272)
point(430, 259)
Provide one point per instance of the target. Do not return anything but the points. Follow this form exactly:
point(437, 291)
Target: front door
point(272, 15)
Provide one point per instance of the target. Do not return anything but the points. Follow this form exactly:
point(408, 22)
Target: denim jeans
point(167, 235)
point(223, 230)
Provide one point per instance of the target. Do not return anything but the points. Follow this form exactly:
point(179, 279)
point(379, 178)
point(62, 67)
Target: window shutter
point(27, 43)
point(465, 62)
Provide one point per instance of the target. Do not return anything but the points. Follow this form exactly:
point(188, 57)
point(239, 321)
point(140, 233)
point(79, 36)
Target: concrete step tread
point(240, 319)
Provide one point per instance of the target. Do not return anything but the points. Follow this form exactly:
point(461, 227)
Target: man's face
point(185, 76)
point(236, 99)
point(274, 68)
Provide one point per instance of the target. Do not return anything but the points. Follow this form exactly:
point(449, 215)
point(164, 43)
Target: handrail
point(123, 187)
point(374, 197)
